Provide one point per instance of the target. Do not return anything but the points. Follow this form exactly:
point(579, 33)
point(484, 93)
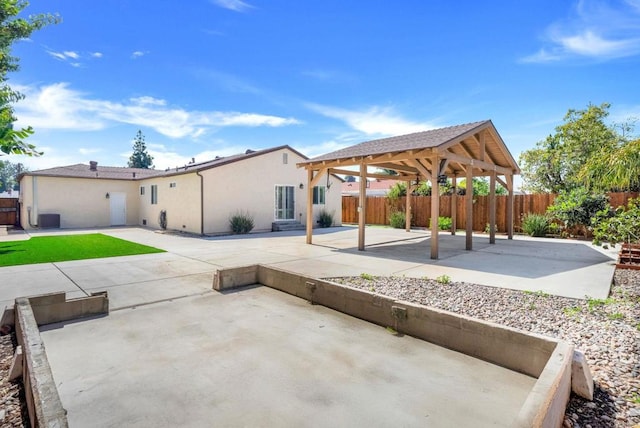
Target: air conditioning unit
point(49, 221)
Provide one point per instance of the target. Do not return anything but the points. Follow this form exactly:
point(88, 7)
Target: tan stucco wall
point(249, 186)
point(81, 202)
point(182, 202)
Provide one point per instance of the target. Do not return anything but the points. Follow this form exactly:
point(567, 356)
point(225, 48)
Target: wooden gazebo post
point(454, 206)
point(362, 205)
point(435, 206)
point(468, 196)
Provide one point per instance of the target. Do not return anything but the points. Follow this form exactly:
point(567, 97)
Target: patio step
point(280, 226)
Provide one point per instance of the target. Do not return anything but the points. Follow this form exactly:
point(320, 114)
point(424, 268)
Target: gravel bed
point(607, 331)
point(12, 401)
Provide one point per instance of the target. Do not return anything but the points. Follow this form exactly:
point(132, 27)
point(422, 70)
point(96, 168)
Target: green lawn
point(47, 249)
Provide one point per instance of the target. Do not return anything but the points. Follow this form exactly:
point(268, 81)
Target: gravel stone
point(11, 393)
point(606, 330)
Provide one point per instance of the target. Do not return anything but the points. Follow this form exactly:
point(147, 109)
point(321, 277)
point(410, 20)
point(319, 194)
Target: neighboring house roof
point(119, 173)
point(374, 187)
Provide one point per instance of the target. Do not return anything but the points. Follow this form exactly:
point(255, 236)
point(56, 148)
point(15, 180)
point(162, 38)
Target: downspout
point(34, 196)
point(201, 202)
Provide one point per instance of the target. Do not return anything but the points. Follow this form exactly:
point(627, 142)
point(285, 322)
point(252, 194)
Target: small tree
point(8, 175)
point(13, 28)
point(140, 158)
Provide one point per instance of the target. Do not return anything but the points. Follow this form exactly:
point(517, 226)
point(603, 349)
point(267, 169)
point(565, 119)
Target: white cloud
point(235, 5)
point(96, 54)
point(138, 54)
point(58, 55)
point(148, 101)
point(85, 151)
point(594, 30)
point(57, 106)
point(375, 120)
point(71, 54)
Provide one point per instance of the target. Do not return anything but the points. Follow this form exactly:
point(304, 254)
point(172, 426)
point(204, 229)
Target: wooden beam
point(395, 167)
point(362, 201)
point(309, 224)
point(318, 176)
point(483, 146)
point(468, 197)
point(502, 182)
point(492, 208)
point(465, 148)
point(454, 206)
point(371, 175)
point(423, 170)
point(476, 163)
point(435, 210)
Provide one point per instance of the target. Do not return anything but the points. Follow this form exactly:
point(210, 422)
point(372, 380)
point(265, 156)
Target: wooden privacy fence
point(9, 211)
point(378, 209)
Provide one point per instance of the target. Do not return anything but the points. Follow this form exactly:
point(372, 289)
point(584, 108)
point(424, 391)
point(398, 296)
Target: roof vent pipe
point(93, 165)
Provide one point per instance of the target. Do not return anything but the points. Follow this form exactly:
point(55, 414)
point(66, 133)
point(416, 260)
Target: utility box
point(49, 221)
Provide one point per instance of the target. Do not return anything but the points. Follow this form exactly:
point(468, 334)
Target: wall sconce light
point(107, 195)
point(442, 179)
point(301, 186)
point(416, 182)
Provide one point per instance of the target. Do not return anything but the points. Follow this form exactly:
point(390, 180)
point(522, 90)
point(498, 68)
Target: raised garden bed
point(629, 257)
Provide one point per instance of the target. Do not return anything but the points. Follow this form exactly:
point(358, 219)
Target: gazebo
point(461, 151)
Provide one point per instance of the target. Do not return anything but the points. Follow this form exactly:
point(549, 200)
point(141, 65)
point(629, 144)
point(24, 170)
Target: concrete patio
point(560, 267)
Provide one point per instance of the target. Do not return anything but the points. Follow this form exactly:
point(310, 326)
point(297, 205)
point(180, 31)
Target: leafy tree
point(555, 164)
point(616, 170)
point(13, 28)
point(140, 158)
point(480, 187)
point(8, 175)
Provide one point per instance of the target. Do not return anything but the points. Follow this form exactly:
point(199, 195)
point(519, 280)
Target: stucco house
point(197, 198)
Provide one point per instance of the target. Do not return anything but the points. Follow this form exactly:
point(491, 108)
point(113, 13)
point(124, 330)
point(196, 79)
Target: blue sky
point(216, 77)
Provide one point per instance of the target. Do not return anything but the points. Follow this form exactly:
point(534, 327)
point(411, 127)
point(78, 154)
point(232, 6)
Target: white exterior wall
point(246, 185)
point(81, 202)
point(182, 202)
point(249, 186)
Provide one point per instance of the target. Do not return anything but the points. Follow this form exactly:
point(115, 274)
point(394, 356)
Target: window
point(154, 194)
point(285, 158)
point(141, 190)
point(318, 195)
point(172, 185)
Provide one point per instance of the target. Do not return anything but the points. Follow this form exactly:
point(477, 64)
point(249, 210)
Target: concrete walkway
point(561, 267)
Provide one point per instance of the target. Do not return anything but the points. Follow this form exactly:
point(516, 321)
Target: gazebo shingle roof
point(415, 141)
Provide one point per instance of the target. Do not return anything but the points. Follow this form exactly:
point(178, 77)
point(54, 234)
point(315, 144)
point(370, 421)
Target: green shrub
point(241, 222)
point(397, 219)
point(444, 223)
point(487, 228)
point(325, 218)
point(397, 191)
point(535, 224)
point(444, 279)
point(622, 226)
point(577, 208)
